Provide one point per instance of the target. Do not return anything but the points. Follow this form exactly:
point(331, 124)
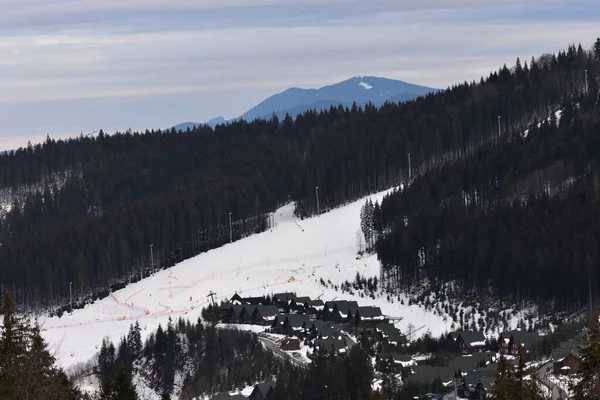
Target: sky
point(76, 66)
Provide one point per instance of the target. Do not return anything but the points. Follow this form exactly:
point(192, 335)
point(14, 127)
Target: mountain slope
point(359, 89)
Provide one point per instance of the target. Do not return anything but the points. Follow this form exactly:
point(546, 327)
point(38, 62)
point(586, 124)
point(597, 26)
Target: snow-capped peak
point(365, 85)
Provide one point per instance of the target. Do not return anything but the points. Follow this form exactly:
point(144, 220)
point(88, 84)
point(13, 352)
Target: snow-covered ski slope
point(293, 256)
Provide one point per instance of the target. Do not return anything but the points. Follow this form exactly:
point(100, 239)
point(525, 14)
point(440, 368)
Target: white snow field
point(293, 256)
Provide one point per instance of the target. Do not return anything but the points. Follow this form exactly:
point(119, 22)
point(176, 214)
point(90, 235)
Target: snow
point(478, 344)
point(365, 85)
point(285, 258)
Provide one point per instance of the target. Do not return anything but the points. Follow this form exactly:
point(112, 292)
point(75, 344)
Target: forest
point(103, 211)
point(518, 219)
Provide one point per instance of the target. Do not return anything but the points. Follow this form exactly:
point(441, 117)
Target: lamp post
point(152, 258)
point(317, 194)
point(71, 296)
point(230, 231)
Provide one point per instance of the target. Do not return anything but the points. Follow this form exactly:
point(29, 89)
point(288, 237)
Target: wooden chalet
point(368, 317)
point(264, 315)
point(295, 324)
point(261, 391)
point(238, 300)
point(512, 339)
point(330, 345)
point(339, 310)
point(233, 315)
point(290, 344)
point(282, 300)
point(227, 396)
point(299, 303)
point(314, 307)
point(566, 358)
point(469, 341)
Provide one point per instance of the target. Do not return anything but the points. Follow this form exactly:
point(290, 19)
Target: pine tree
point(588, 387)
point(27, 369)
point(121, 388)
point(597, 49)
point(504, 382)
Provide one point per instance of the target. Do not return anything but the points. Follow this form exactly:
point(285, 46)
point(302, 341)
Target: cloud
point(195, 59)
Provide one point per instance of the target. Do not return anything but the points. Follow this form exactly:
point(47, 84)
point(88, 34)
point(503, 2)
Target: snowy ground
point(293, 256)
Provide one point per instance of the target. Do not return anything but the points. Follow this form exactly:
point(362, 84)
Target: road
point(557, 392)
point(274, 347)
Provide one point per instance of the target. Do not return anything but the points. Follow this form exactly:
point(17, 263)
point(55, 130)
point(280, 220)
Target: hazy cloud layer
point(81, 65)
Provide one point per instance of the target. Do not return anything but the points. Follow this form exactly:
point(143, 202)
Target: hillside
point(136, 201)
point(293, 256)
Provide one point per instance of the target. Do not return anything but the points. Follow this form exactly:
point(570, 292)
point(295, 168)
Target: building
point(368, 317)
point(282, 300)
point(262, 390)
point(469, 341)
point(299, 303)
point(290, 344)
point(511, 340)
point(227, 396)
point(339, 310)
point(330, 345)
point(566, 358)
point(295, 324)
point(264, 315)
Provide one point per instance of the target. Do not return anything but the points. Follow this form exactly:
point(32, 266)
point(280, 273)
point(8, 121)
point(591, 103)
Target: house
point(299, 303)
point(339, 310)
point(512, 340)
point(236, 299)
point(282, 300)
point(262, 390)
point(290, 344)
point(330, 345)
point(295, 324)
point(566, 358)
point(469, 341)
point(264, 315)
point(390, 334)
point(245, 315)
point(277, 325)
point(233, 314)
point(315, 328)
point(314, 306)
point(368, 317)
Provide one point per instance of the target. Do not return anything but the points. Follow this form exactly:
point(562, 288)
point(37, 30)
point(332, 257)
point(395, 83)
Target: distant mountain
point(212, 123)
point(359, 90)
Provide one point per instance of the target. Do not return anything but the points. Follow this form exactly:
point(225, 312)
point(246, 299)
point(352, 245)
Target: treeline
point(521, 218)
point(175, 190)
point(184, 358)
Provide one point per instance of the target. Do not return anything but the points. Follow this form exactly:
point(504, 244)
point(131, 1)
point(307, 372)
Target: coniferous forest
point(87, 210)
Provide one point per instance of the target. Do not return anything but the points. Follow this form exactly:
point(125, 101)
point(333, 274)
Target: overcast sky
point(81, 65)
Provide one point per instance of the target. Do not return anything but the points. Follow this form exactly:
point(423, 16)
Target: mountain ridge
point(358, 89)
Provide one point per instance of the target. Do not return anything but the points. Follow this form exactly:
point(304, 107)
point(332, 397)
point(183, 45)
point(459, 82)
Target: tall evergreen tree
point(588, 386)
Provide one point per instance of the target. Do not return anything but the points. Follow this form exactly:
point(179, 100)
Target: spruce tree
point(27, 369)
point(588, 387)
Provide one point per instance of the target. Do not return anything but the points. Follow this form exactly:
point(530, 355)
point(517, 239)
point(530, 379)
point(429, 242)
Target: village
point(299, 328)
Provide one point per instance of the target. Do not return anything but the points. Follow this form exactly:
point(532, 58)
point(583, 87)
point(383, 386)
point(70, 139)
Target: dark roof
point(342, 305)
point(330, 344)
point(319, 324)
point(263, 388)
point(328, 331)
point(369, 312)
point(227, 396)
point(315, 303)
point(301, 300)
point(226, 305)
point(253, 300)
point(396, 337)
point(297, 320)
point(237, 309)
point(564, 349)
point(284, 296)
point(290, 340)
point(279, 319)
point(525, 338)
point(466, 364)
point(468, 336)
point(266, 311)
